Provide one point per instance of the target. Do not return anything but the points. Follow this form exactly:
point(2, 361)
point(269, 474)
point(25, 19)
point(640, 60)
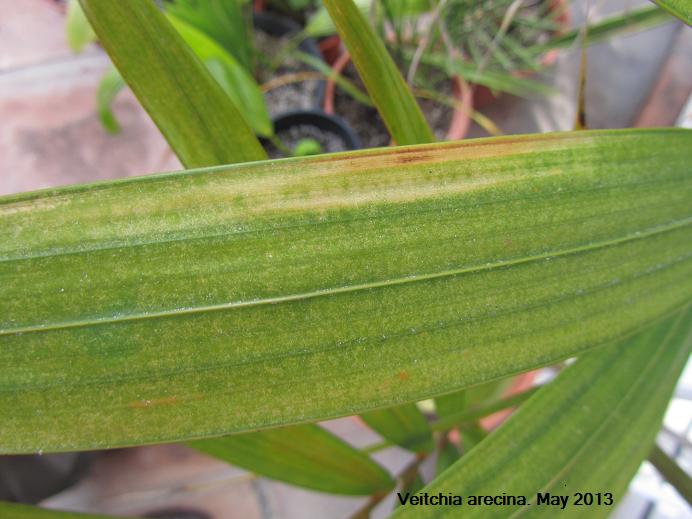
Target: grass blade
point(304, 455)
point(187, 305)
point(192, 111)
point(588, 431)
point(388, 90)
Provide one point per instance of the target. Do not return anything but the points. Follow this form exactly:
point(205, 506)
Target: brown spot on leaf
point(403, 375)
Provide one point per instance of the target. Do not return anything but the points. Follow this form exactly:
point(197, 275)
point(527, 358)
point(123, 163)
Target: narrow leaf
point(447, 455)
point(304, 455)
point(109, 87)
point(475, 397)
point(190, 108)
point(681, 9)
point(630, 21)
point(471, 413)
point(79, 32)
point(402, 425)
point(672, 472)
point(224, 21)
point(242, 297)
point(588, 431)
point(500, 81)
point(388, 90)
point(232, 76)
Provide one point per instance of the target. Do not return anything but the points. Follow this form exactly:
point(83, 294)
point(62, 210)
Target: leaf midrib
point(353, 288)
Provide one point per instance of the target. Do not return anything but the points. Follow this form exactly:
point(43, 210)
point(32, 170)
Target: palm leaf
point(304, 455)
point(190, 108)
point(681, 9)
point(242, 297)
point(392, 97)
point(402, 425)
point(586, 432)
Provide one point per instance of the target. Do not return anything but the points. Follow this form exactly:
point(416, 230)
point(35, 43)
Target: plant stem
point(672, 472)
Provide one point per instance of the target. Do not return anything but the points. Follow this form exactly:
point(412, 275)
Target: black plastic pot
point(330, 131)
point(32, 478)
point(282, 28)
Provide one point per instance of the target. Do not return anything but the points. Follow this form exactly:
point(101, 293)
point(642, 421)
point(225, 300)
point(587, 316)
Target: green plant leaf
point(190, 108)
point(681, 9)
point(231, 75)
point(468, 414)
point(388, 90)
point(402, 425)
point(109, 87)
point(304, 455)
point(672, 472)
point(474, 397)
point(447, 455)
point(588, 431)
point(320, 23)
point(222, 20)
point(77, 29)
point(635, 20)
point(201, 303)
point(500, 81)
point(19, 511)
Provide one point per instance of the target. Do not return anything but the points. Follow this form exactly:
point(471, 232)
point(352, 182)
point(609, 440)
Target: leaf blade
point(579, 239)
point(304, 455)
point(402, 425)
point(395, 102)
point(192, 111)
point(20, 511)
point(587, 431)
point(678, 8)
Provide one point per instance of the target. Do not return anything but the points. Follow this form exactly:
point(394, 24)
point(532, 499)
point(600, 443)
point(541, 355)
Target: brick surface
point(31, 32)
point(50, 134)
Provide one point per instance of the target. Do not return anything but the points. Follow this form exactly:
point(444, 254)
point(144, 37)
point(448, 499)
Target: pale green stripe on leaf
point(243, 297)
point(196, 116)
point(388, 90)
point(588, 431)
point(402, 425)
point(304, 455)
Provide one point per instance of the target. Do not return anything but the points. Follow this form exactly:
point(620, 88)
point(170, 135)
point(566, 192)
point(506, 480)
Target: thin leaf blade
point(588, 431)
point(388, 90)
point(402, 425)
point(190, 108)
point(303, 455)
